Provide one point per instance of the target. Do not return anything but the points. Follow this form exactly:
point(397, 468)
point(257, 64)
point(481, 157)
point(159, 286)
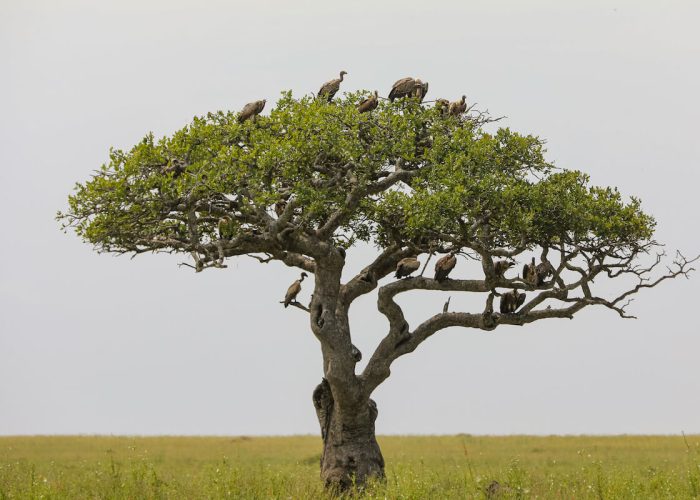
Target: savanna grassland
point(418, 467)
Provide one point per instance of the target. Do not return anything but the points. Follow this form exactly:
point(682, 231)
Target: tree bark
point(351, 454)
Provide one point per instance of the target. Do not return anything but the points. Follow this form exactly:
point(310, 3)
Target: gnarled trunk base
point(351, 454)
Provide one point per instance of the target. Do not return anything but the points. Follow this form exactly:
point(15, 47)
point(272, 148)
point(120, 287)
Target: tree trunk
point(351, 454)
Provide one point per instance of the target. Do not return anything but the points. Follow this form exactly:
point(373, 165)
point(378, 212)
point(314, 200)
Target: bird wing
point(292, 291)
point(413, 264)
point(402, 87)
point(440, 263)
point(330, 86)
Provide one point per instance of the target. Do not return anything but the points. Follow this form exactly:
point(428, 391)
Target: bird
point(445, 265)
point(294, 290)
point(369, 104)
point(443, 105)
point(501, 266)
point(458, 107)
point(420, 89)
point(406, 266)
point(543, 271)
point(530, 273)
point(250, 110)
point(510, 301)
point(331, 87)
point(402, 88)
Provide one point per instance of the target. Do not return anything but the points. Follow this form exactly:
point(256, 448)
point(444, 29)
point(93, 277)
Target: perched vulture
point(445, 265)
point(543, 271)
point(420, 89)
point(331, 87)
point(443, 105)
point(402, 88)
point(294, 290)
point(458, 107)
point(530, 273)
point(510, 301)
point(369, 104)
point(501, 267)
point(406, 266)
point(250, 110)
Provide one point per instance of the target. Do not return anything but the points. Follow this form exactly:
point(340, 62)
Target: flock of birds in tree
point(405, 87)
point(533, 274)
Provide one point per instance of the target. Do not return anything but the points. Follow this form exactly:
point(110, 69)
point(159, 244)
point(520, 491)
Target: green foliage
point(316, 153)
point(443, 467)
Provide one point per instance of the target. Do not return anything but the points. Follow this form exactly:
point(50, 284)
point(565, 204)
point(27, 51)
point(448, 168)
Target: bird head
point(464, 98)
point(303, 275)
point(343, 73)
point(376, 94)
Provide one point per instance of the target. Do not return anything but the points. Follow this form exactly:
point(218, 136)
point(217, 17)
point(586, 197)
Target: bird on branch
point(293, 290)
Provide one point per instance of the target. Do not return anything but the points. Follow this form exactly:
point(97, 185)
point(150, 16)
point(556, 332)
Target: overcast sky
point(100, 344)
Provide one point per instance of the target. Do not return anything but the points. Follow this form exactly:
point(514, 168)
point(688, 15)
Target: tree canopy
point(404, 174)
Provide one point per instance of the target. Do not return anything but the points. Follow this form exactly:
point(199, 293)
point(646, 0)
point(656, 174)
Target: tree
point(314, 179)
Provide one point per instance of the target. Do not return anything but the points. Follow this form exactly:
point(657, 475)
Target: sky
point(97, 344)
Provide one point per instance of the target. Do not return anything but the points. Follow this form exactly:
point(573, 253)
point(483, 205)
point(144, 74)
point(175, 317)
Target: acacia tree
point(313, 179)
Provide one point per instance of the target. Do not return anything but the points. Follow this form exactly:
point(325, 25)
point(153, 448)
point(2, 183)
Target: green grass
point(418, 467)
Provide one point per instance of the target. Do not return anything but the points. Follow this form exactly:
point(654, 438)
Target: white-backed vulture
point(445, 265)
point(510, 301)
point(458, 107)
point(543, 271)
point(530, 273)
point(420, 89)
point(443, 105)
point(331, 87)
point(406, 266)
point(369, 104)
point(501, 266)
point(402, 88)
point(293, 290)
point(250, 110)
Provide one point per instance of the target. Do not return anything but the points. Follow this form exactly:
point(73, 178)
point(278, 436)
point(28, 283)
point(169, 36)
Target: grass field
point(418, 467)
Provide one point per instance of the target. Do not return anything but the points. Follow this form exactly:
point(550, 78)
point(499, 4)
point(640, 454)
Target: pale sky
point(100, 344)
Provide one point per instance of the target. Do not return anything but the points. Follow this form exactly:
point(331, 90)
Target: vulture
point(420, 89)
point(501, 267)
point(510, 301)
point(406, 266)
point(294, 290)
point(536, 274)
point(402, 88)
point(443, 105)
point(331, 87)
point(543, 271)
point(445, 265)
point(369, 104)
point(458, 107)
point(530, 273)
point(251, 110)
